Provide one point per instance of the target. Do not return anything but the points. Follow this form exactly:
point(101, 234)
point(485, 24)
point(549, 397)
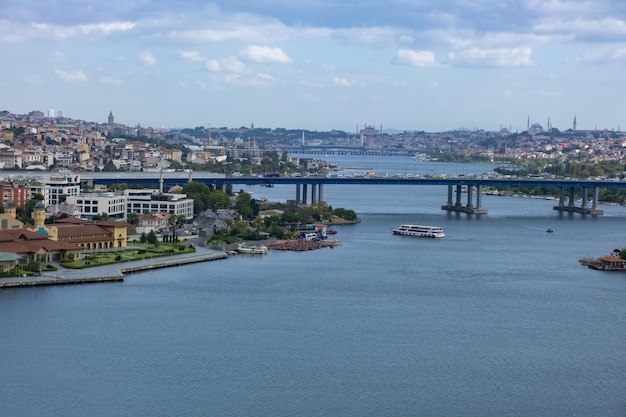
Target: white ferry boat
point(419, 231)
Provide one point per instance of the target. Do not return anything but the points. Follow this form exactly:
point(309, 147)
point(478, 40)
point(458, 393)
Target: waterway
point(496, 319)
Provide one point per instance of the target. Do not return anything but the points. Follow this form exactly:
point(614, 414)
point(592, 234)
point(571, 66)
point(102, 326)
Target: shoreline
point(109, 273)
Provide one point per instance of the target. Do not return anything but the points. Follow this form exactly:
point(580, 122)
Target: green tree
point(132, 218)
point(110, 167)
point(151, 238)
point(218, 200)
point(243, 206)
point(199, 192)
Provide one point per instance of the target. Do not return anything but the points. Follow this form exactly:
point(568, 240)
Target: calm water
point(497, 319)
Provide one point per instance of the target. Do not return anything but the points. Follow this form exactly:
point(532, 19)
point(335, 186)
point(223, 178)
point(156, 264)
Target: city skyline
point(319, 65)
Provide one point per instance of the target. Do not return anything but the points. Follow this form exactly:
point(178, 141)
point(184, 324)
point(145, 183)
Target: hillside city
point(52, 142)
point(57, 217)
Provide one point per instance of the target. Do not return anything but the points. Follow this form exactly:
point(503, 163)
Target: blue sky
point(319, 64)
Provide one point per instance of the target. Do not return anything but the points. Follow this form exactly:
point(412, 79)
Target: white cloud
point(57, 56)
point(496, 57)
point(146, 58)
point(256, 53)
point(257, 80)
point(193, 56)
point(342, 82)
point(75, 76)
point(213, 65)
point(420, 59)
point(32, 79)
point(232, 64)
point(18, 32)
point(603, 54)
point(107, 79)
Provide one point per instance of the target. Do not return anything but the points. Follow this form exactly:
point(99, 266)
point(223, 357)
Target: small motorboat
point(549, 230)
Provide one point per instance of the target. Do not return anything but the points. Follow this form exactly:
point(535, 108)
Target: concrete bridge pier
point(317, 193)
point(459, 190)
point(584, 208)
point(469, 207)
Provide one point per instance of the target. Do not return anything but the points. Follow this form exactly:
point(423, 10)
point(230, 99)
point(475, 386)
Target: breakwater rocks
point(303, 245)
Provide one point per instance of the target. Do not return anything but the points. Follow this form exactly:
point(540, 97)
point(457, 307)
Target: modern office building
point(152, 201)
point(60, 184)
point(113, 205)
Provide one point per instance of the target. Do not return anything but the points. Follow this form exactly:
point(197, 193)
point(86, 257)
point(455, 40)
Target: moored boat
point(419, 231)
point(252, 249)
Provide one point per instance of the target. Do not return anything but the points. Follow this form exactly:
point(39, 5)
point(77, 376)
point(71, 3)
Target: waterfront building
point(153, 222)
point(9, 261)
point(113, 205)
point(90, 235)
point(153, 201)
point(34, 246)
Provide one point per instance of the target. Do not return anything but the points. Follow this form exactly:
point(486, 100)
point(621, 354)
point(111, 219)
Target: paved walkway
point(112, 272)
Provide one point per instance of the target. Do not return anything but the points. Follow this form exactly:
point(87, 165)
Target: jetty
point(605, 263)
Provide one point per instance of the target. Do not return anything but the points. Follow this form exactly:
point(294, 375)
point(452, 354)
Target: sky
point(319, 64)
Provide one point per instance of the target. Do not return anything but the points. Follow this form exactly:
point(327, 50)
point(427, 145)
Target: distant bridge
point(456, 185)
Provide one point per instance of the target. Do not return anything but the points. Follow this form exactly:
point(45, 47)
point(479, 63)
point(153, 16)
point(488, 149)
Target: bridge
point(472, 186)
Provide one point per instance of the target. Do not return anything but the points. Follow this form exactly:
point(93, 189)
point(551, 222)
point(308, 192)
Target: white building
point(60, 184)
point(91, 204)
point(153, 201)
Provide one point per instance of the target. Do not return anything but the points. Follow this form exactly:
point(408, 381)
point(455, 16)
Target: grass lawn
point(139, 251)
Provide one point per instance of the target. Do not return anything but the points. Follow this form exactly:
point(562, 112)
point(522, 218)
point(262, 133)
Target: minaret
point(548, 124)
point(528, 124)
point(161, 177)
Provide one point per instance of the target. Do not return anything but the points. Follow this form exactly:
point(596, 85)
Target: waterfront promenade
point(111, 272)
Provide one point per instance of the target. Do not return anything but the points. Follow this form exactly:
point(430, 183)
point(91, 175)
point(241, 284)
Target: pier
point(571, 206)
point(469, 207)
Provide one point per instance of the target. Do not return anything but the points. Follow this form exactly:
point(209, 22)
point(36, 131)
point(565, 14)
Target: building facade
point(58, 185)
point(113, 205)
point(152, 201)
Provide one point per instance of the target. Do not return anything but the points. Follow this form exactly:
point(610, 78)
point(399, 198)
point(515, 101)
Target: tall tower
point(574, 124)
point(111, 118)
point(39, 215)
point(9, 208)
point(528, 124)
